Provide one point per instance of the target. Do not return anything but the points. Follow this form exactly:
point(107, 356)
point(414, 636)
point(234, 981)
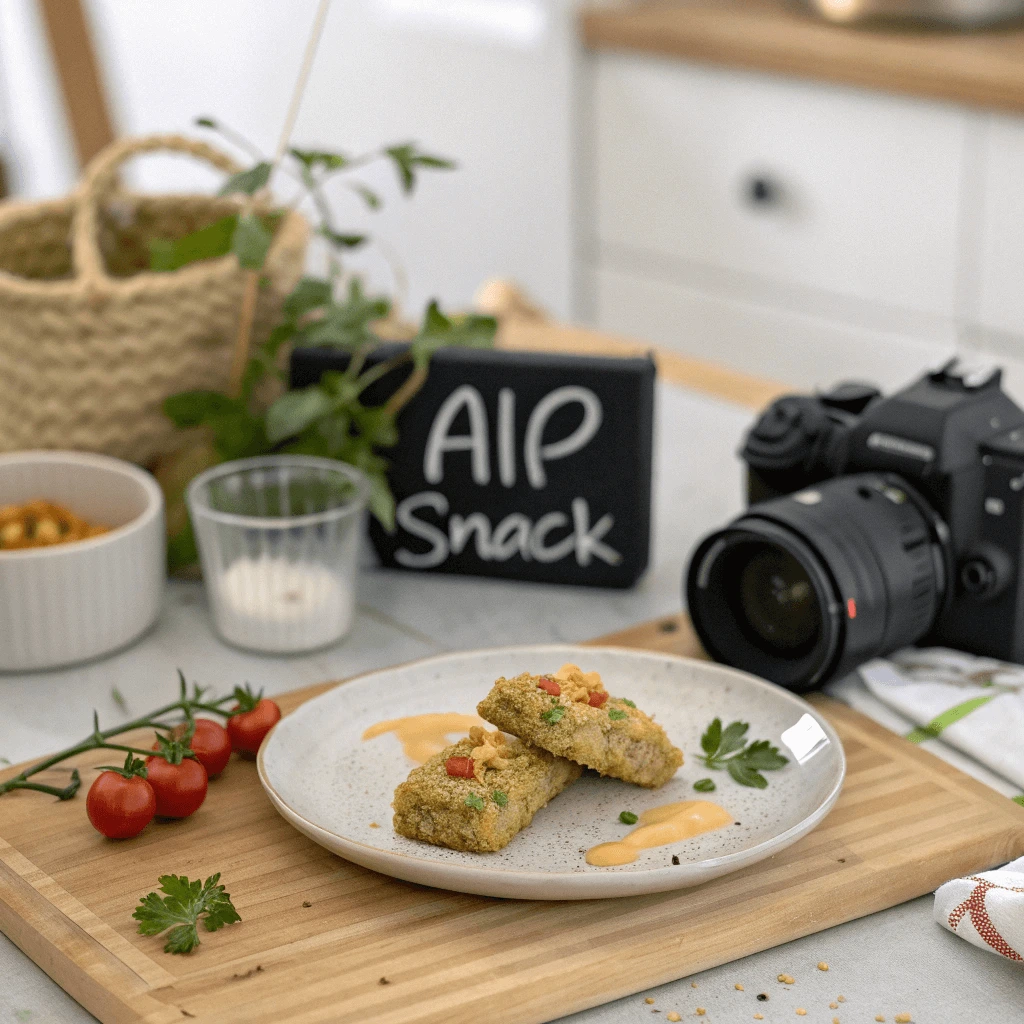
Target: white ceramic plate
point(331, 785)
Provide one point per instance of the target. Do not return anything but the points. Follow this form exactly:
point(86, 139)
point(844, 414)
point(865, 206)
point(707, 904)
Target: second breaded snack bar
point(478, 793)
point(570, 713)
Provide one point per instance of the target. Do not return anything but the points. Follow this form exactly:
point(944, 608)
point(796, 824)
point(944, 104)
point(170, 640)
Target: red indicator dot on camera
point(851, 608)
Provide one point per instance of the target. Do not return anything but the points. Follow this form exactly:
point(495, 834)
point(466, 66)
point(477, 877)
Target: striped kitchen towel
point(973, 704)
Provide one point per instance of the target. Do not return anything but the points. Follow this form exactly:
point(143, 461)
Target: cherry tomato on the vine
point(180, 789)
point(210, 743)
point(255, 716)
point(121, 802)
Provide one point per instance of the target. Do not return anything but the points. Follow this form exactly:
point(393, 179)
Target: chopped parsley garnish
point(501, 799)
point(704, 785)
point(180, 909)
point(616, 715)
point(628, 703)
point(553, 715)
point(727, 748)
point(475, 801)
point(628, 818)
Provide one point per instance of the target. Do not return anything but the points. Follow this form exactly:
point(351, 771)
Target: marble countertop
point(893, 962)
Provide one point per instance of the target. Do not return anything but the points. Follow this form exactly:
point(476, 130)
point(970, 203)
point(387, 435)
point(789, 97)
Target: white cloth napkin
point(986, 909)
point(974, 704)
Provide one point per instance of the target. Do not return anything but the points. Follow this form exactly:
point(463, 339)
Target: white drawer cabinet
point(859, 192)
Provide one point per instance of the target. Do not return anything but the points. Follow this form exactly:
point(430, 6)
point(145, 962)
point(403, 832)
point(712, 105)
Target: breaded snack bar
point(478, 793)
point(572, 715)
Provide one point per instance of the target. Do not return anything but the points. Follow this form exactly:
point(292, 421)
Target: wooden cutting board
point(326, 941)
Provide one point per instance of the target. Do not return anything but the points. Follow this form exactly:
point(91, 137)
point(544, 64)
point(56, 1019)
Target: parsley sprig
point(726, 748)
point(180, 909)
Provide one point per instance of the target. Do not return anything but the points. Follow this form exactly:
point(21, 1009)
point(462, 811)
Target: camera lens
point(808, 586)
point(777, 600)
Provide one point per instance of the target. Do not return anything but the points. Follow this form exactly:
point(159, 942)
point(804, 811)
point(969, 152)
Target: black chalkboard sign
point(527, 466)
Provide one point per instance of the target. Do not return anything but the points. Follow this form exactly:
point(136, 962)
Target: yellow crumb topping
point(576, 684)
point(491, 750)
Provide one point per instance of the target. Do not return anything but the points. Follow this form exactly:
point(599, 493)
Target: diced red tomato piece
point(550, 686)
point(597, 698)
point(459, 767)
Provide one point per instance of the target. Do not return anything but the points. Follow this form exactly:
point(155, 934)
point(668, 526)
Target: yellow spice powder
point(822, 966)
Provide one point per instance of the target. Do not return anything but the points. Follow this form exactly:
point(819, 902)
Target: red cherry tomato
point(549, 686)
point(120, 808)
point(211, 745)
point(459, 767)
point(597, 698)
point(248, 728)
point(180, 789)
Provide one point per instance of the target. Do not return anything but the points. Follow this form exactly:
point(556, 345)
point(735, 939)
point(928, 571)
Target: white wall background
point(487, 82)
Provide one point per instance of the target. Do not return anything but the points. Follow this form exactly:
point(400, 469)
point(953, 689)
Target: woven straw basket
point(91, 340)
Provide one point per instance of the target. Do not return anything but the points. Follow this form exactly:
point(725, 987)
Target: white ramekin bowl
point(72, 602)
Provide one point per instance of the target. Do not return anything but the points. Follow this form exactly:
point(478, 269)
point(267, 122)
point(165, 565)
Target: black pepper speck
point(675, 860)
point(763, 996)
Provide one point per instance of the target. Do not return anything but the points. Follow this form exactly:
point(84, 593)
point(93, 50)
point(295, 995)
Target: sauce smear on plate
point(423, 736)
point(659, 826)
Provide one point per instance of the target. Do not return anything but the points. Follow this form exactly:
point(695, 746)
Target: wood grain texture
point(984, 68)
point(81, 83)
point(325, 941)
point(695, 374)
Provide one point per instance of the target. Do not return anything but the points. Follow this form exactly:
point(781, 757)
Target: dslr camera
point(873, 523)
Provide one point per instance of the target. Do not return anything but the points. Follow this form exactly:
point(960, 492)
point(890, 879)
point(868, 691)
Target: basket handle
point(100, 179)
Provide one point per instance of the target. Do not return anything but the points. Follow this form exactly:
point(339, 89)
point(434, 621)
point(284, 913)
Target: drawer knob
point(762, 191)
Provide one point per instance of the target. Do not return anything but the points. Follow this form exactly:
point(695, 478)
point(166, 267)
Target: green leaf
point(194, 408)
point(438, 331)
point(377, 425)
point(249, 181)
point(207, 243)
point(206, 122)
point(339, 240)
point(500, 798)
point(1018, 799)
point(744, 775)
point(712, 737)
point(382, 501)
point(628, 818)
point(309, 294)
point(732, 738)
point(407, 158)
point(294, 411)
point(183, 905)
point(251, 241)
point(762, 756)
point(616, 715)
point(628, 703)
point(705, 785)
point(367, 195)
point(475, 801)
point(553, 715)
point(313, 158)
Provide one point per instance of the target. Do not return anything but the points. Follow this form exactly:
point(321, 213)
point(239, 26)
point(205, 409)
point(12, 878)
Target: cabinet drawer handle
point(762, 191)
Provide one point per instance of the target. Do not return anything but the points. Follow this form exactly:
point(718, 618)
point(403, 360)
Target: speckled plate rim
point(553, 885)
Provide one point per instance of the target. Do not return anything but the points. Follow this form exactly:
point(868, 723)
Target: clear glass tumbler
point(279, 537)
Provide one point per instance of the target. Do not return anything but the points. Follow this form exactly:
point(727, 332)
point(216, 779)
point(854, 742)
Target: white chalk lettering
point(512, 536)
point(536, 453)
point(588, 541)
point(547, 523)
point(440, 441)
point(460, 529)
point(406, 519)
point(507, 437)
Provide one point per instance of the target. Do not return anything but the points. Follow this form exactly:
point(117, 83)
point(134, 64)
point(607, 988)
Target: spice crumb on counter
point(758, 1016)
point(306, 904)
point(903, 1018)
point(738, 987)
point(673, 1016)
point(822, 966)
point(648, 1000)
point(763, 996)
point(787, 979)
point(384, 981)
point(693, 984)
point(835, 1020)
point(700, 1011)
point(374, 824)
point(879, 1017)
point(801, 1012)
point(833, 1006)
point(841, 999)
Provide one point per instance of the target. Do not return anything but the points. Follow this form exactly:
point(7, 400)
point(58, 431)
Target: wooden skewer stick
point(243, 340)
